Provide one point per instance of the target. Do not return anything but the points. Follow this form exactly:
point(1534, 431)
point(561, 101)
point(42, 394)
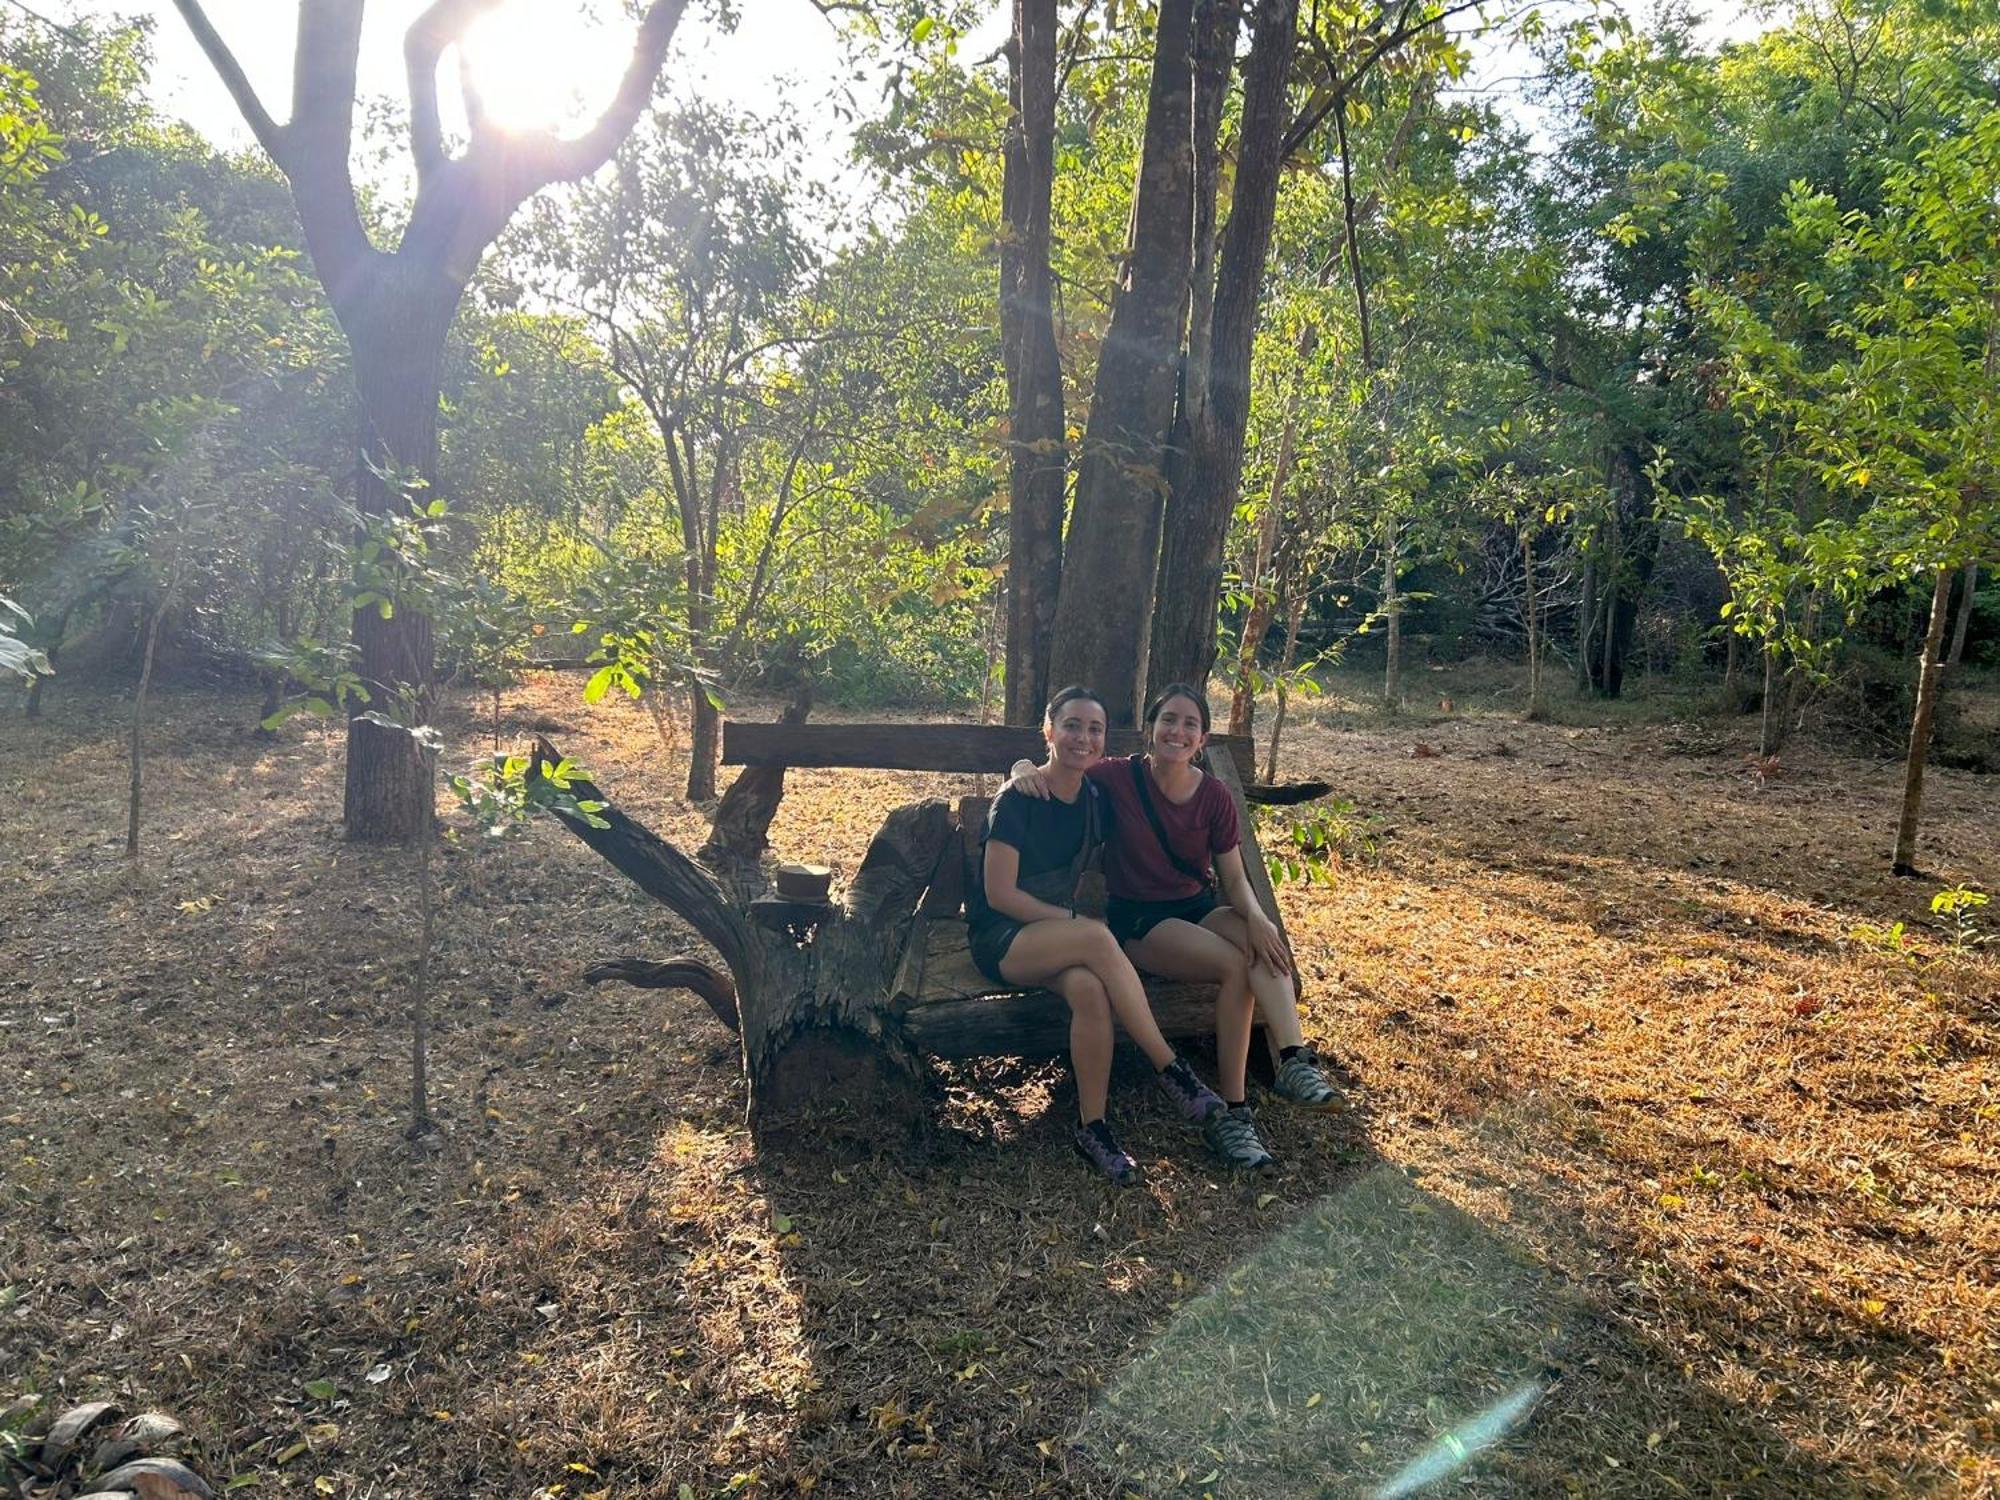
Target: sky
point(557, 61)
point(552, 59)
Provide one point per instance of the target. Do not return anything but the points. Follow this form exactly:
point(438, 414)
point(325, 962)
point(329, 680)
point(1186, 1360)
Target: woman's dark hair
point(1177, 690)
point(1070, 694)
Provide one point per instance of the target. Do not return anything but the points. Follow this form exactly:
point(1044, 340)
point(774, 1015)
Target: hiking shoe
point(1301, 1081)
point(1232, 1135)
point(1097, 1145)
point(1197, 1101)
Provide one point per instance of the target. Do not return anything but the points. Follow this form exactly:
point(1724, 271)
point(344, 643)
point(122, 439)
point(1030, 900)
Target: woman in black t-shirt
point(1025, 929)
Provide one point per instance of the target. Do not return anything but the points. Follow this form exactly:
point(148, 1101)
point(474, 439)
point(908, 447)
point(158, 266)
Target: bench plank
point(987, 749)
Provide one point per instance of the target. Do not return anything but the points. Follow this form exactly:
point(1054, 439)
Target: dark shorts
point(1131, 920)
point(989, 941)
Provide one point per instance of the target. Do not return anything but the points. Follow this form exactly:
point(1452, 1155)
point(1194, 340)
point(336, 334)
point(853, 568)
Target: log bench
point(948, 1008)
point(842, 1005)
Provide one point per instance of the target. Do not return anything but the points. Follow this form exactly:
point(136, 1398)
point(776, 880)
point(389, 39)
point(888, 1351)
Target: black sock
point(1234, 1103)
point(1286, 1054)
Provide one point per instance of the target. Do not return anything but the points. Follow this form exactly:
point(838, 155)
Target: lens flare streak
point(1457, 1448)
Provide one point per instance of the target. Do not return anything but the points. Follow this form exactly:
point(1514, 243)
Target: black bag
point(1138, 765)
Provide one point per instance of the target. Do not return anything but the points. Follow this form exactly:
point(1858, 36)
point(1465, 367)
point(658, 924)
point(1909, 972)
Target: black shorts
point(1131, 920)
point(989, 941)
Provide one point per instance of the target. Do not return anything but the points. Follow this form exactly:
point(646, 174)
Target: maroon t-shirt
point(1136, 868)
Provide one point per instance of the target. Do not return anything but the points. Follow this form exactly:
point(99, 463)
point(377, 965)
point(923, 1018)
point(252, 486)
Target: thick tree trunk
point(396, 321)
point(1929, 672)
point(1624, 572)
point(1199, 508)
point(1958, 629)
point(1104, 612)
point(704, 741)
point(1037, 458)
point(813, 1007)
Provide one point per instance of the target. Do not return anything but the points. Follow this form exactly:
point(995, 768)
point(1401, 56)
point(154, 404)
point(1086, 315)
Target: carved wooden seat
point(842, 1005)
point(949, 1008)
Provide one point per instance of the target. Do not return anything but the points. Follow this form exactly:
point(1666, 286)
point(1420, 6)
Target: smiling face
point(1175, 733)
point(1075, 732)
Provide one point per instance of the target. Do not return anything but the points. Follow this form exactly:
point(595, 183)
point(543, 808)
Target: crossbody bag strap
point(1138, 765)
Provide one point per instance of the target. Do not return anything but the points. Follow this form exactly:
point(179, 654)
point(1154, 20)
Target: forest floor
point(1656, 1175)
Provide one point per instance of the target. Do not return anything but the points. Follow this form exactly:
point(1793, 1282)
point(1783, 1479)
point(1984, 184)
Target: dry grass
point(1642, 1132)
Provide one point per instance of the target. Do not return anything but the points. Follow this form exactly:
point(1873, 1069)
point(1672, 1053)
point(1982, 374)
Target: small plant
point(1302, 845)
point(1959, 907)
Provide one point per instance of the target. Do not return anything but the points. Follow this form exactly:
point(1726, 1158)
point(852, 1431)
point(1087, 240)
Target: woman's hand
point(1263, 943)
point(1029, 781)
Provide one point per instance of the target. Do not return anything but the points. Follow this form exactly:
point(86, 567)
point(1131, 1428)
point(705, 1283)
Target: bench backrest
point(988, 749)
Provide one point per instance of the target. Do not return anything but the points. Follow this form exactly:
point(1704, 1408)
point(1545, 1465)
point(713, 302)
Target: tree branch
point(566, 160)
point(270, 135)
point(443, 24)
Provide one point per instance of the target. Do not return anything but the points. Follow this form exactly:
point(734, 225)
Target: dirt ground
point(1657, 1179)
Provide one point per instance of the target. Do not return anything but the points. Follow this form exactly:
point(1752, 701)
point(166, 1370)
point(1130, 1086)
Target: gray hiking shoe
point(1197, 1101)
point(1232, 1135)
point(1097, 1145)
point(1301, 1081)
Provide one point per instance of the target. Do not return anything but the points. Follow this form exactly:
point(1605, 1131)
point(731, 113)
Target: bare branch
point(325, 67)
point(270, 135)
point(442, 24)
point(567, 160)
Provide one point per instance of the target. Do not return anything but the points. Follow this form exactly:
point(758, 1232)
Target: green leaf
point(924, 27)
point(600, 683)
point(321, 1390)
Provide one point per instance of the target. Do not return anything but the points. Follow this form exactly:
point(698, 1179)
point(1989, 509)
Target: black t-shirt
point(1050, 834)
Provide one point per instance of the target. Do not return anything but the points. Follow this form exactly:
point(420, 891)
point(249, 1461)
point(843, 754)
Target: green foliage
point(1306, 845)
point(503, 796)
point(17, 657)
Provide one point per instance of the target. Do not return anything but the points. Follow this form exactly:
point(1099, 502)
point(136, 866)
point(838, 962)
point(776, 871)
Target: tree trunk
point(1037, 460)
point(1263, 601)
point(819, 1034)
point(1770, 728)
point(1586, 619)
point(1958, 628)
point(1731, 655)
point(1104, 611)
point(1392, 610)
point(1295, 616)
point(1929, 671)
point(1199, 508)
point(704, 741)
point(396, 323)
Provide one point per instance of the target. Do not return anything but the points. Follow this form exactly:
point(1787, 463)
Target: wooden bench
point(946, 1007)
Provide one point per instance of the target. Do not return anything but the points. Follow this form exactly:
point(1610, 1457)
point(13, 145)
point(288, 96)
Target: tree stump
point(812, 992)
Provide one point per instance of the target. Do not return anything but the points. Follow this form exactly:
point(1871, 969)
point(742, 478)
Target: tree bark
point(1534, 625)
point(1958, 629)
point(1104, 610)
point(396, 314)
point(1037, 458)
point(1929, 673)
point(1770, 729)
point(1198, 510)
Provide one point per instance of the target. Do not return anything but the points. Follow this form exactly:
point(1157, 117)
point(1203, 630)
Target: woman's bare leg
point(1277, 996)
point(1090, 1039)
point(1042, 950)
point(1180, 950)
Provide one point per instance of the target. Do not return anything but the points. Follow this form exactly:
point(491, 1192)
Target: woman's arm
point(1265, 943)
point(1002, 869)
point(1026, 778)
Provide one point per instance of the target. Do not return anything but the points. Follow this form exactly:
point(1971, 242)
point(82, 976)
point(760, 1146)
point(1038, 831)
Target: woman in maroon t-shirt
point(1174, 837)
